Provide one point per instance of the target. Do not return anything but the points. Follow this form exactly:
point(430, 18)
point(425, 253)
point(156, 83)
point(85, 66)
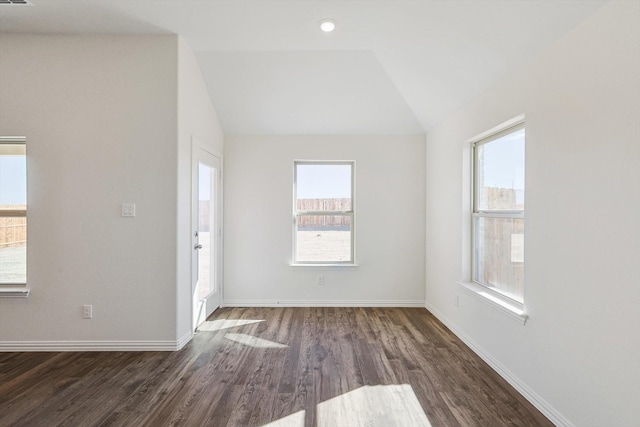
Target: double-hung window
point(13, 211)
point(498, 213)
point(323, 212)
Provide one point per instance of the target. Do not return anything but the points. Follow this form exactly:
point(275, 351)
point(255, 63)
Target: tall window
point(323, 212)
point(13, 211)
point(498, 213)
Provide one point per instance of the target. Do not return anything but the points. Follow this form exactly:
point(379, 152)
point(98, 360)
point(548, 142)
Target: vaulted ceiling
point(390, 67)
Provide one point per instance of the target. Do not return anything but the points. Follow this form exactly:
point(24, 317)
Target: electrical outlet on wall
point(129, 210)
point(320, 280)
point(456, 301)
point(87, 312)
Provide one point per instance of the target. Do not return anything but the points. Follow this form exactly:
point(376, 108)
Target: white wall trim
point(27, 346)
point(184, 340)
point(535, 399)
point(14, 292)
point(502, 305)
point(322, 303)
point(511, 123)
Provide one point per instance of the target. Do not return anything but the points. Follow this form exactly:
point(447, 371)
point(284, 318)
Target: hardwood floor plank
point(292, 357)
point(203, 403)
point(315, 366)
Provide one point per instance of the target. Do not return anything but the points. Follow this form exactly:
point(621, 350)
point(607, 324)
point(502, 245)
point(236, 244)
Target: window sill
point(323, 266)
point(14, 292)
point(510, 310)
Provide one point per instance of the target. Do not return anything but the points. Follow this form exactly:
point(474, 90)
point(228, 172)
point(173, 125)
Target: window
point(323, 212)
point(13, 211)
point(498, 213)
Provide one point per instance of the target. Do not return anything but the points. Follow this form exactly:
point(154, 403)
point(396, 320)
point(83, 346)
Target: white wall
point(389, 213)
point(578, 353)
point(99, 115)
point(196, 118)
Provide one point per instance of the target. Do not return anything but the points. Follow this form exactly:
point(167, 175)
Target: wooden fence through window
point(324, 221)
point(13, 230)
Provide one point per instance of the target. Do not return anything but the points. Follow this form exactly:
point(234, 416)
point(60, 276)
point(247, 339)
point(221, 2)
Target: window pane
point(13, 177)
point(13, 250)
point(500, 173)
point(323, 238)
point(13, 197)
point(323, 187)
point(499, 255)
point(206, 184)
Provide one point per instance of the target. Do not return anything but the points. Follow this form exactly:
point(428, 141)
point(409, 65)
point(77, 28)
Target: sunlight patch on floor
point(216, 325)
point(252, 341)
point(294, 420)
point(374, 406)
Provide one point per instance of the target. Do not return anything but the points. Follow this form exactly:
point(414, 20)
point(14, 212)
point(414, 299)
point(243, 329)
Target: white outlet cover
point(129, 210)
point(87, 311)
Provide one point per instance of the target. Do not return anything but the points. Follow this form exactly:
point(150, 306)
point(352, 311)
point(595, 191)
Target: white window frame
point(488, 291)
point(17, 289)
point(350, 213)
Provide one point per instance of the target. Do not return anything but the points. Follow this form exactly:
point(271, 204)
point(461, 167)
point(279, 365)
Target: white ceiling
point(391, 66)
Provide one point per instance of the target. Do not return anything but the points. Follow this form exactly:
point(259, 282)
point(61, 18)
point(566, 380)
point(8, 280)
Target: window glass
point(323, 187)
point(323, 238)
point(500, 254)
point(500, 173)
point(13, 176)
point(13, 213)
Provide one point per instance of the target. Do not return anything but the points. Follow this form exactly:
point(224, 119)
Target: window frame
point(297, 213)
point(15, 213)
point(477, 213)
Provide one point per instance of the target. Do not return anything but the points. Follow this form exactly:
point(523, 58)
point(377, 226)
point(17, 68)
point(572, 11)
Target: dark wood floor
point(272, 366)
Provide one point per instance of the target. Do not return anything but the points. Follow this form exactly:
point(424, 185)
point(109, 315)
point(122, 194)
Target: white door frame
point(199, 310)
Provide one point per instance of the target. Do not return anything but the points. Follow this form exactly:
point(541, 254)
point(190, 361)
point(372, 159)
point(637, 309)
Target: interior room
point(197, 176)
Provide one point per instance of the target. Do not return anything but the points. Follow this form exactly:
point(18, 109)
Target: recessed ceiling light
point(327, 25)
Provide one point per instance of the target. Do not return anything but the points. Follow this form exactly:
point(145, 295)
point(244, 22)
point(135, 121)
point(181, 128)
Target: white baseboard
point(322, 303)
point(535, 399)
point(184, 340)
point(28, 346)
